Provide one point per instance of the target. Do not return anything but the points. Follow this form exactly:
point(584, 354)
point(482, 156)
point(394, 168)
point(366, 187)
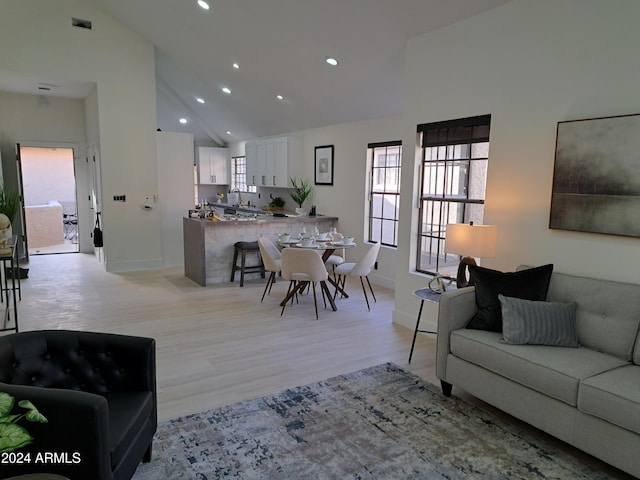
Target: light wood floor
point(218, 345)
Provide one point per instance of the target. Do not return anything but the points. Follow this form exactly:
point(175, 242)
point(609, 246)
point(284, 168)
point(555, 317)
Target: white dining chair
point(271, 258)
point(337, 257)
point(303, 266)
point(361, 269)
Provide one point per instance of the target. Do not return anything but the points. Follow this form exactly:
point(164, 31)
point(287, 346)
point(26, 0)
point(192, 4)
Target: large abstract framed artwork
point(596, 178)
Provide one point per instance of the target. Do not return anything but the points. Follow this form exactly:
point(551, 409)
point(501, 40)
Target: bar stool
point(243, 248)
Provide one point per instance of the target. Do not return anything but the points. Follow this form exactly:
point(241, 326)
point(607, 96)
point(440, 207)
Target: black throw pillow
point(530, 284)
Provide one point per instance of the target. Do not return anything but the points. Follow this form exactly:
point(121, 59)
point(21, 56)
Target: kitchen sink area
point(221, 212)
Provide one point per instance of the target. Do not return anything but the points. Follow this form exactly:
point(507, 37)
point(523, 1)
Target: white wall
point(530, 64)
point(175, 187)
point(37, 38)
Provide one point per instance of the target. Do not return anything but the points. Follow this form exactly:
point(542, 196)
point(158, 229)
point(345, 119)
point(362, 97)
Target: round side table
point(430, 296)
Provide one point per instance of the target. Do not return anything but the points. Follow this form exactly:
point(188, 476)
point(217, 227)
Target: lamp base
point(461, 277)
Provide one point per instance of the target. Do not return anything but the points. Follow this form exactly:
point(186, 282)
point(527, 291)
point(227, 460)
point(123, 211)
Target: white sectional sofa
point(587, 396)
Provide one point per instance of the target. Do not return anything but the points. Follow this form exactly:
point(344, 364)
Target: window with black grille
point(384, 192)
point(455, 157)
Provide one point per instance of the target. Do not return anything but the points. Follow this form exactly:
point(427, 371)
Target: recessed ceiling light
point(204, 5)
point(226, 90)
point(279, 97)
point(228, 132)
point(199, 100)
point(331, 61)
point(236, 66)
point(183, 121)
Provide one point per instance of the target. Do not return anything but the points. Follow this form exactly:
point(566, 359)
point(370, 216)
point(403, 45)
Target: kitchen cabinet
point(271, 161)
point(213, 165)
point(260, 158)
point(251, 153)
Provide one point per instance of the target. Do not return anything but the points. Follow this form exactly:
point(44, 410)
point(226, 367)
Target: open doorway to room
point(49, 193)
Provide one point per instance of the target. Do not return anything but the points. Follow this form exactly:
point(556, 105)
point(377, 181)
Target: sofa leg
point(446, 388)
point(146, 458)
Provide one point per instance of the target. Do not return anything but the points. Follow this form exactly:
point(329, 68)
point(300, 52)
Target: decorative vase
point(301, 211)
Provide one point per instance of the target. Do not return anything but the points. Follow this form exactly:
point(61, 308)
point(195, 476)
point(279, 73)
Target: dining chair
point(303, 266)
point(337, 257)
point(271, 258)
point(361, 269)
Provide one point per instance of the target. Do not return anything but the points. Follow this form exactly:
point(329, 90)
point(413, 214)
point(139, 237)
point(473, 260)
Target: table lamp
point(471, 241)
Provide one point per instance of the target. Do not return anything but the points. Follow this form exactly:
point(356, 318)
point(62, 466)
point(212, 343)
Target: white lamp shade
point(477, 241)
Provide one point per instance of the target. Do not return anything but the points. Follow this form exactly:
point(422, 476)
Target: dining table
point(327, 247)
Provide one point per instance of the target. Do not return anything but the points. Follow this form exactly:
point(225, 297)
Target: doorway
point(49, 199)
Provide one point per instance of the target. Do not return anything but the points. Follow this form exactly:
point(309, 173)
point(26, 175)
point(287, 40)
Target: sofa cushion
point(608, 312)
point(128, 413)
point(527, 322)
point(553, 371)
point(636, 352)
point(530, 284)
point(613, 396)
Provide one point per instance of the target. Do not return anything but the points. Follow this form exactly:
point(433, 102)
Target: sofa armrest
point(77, 432)
point(455, 309)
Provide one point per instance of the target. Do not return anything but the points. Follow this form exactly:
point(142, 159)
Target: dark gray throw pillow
point(526, 322)
point(530, 284)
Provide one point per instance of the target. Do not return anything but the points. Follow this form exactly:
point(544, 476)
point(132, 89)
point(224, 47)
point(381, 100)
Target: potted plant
point(9, 203)
point(301, 191)
point(276, 203)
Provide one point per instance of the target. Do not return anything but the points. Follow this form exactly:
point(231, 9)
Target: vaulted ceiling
point(280, 47)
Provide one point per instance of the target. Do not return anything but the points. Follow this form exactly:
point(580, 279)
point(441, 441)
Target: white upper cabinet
point(251, 156)
point(270, 162)
point(213, 165)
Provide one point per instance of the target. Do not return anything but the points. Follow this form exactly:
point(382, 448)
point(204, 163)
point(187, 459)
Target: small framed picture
point(324, 165)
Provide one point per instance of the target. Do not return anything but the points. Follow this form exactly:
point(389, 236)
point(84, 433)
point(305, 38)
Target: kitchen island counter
point(208, 245)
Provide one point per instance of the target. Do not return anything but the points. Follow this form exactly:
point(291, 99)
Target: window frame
point(235, 175)
point(457, 144)
point(374, 193)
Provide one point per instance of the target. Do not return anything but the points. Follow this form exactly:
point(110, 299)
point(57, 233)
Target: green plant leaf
point(6, 404)
point(13, 436)
point(9, 202)
point(27, 404)
point(9, 418)
point(300, 191)
point(33, 415)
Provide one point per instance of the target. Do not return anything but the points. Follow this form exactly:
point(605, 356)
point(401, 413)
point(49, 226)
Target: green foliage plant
point(301, 190)
point(9, 203)
point(276, 202)
point(13, 436)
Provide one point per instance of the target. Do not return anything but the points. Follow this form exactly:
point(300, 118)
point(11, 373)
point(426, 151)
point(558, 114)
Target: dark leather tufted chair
point(97, 390)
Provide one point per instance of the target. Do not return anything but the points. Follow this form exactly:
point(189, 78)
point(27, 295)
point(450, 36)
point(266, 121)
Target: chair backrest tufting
point(74, 360)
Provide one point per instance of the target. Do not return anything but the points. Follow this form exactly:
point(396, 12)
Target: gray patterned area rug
point(379, 423)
